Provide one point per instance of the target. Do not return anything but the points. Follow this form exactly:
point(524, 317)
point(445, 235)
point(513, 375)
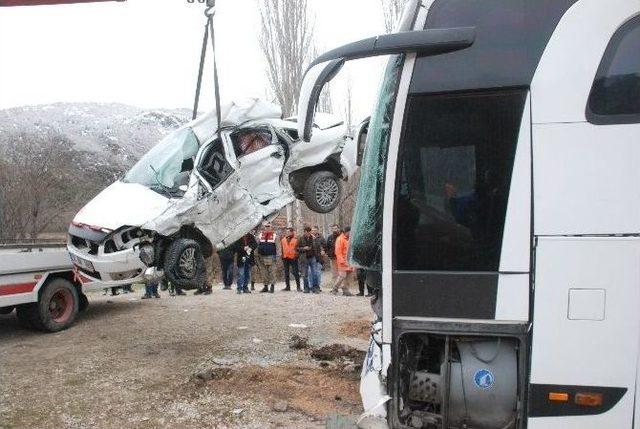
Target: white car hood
point(122, 204)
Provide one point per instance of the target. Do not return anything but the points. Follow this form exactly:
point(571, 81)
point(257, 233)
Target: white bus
point(499, 214)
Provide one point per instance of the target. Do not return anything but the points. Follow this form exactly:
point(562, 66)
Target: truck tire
point(322, 191)
point(56, 309)
point(184, 264)
point(83, 304)
point(6, 310)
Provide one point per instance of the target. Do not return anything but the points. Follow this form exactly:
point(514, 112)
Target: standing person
point(289, 251)
point(266, 258)
point(307, 252)
point(345, 272)
point(361, 275)
point(320, 245)
point(152, 281)
point(226, 264)
point(244, 250)
point(331, 251)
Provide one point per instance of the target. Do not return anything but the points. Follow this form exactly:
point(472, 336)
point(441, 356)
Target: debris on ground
point(335, 352)
point(281, 406)
point(209, 374)
point(192, 370)
point(297, 342)
point(359, 328)
point(298, 326)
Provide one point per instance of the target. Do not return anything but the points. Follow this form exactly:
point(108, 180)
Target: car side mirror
point(361, 140)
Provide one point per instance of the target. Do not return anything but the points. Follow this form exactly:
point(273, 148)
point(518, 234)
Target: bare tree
point(286, 40)
point(41, 184)
point(392, 10)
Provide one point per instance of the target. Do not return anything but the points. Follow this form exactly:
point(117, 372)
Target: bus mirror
point(361, 139)
point(324, 68)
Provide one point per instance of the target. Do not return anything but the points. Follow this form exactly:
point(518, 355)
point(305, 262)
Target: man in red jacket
point(345, 271)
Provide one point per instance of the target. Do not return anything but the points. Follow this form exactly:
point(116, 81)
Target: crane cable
point(208, 32)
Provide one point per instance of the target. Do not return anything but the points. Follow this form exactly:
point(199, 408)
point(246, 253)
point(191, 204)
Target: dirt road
point(220, 361)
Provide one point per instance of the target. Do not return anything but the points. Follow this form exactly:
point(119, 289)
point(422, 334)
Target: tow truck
point(37, 279)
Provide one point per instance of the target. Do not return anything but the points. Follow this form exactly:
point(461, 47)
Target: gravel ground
point(220, 361)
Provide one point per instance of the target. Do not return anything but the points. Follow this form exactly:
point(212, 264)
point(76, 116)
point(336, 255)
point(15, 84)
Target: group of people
point(256, 258)
point(253, 259)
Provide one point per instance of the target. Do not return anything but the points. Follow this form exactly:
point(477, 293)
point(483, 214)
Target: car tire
point(322, 191)
point(56, 309)
point(184, 264)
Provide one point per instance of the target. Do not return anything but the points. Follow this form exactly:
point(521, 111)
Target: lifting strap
point(208, 32)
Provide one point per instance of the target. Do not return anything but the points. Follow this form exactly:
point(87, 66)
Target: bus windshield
point(366, 233)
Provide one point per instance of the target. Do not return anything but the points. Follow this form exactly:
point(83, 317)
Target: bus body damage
point(202, 188)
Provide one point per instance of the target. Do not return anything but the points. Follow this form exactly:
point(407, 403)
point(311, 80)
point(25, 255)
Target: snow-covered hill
point(115, 134)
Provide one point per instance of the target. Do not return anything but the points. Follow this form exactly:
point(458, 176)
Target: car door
point(230, 210)
point(260, 170)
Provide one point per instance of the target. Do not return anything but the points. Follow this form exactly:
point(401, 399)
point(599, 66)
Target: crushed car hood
point(122, 204)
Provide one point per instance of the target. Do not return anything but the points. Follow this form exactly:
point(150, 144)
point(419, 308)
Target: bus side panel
point(585, 330)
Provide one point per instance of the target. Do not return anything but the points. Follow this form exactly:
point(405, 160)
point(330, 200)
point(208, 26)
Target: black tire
point(191, 272)
point(83, 303)
point(6, 310)
point(322, 191)
point(25, 314)
point(56, 309)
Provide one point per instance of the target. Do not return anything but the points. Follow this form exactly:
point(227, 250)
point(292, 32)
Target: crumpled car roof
point(232, 115)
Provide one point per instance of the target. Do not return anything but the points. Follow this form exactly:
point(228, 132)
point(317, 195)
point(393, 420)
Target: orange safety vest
point(289, 248)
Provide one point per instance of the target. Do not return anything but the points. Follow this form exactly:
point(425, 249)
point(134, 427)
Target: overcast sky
point(146, 52)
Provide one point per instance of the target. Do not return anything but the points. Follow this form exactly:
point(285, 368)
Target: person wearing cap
point(289, 251)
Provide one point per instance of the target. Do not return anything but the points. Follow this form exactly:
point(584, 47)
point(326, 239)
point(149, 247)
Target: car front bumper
point(111, 269)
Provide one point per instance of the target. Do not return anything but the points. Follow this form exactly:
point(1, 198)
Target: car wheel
point(56, 309)
point(322, 191)
point(184, 264)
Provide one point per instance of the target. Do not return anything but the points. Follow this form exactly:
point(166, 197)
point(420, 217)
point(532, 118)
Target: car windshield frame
point(161, 167)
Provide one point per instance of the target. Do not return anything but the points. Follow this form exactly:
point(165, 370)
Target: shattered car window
point(366, 234)
point(168, 165)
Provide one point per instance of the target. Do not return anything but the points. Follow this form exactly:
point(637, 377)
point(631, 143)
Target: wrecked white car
point(201, 189)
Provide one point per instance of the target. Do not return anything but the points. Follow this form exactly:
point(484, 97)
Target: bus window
point(615, 96)
point(455, 164)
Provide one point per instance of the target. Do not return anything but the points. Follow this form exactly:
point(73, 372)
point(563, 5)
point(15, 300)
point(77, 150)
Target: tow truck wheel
point(56, 309)
point(184, 264)
point(322, 191)
point(6, 310)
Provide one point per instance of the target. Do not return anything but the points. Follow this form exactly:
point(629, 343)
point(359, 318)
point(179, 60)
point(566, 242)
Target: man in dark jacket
point(245, 258)
point(266, 259)
point(307, 248)
point(331, 251)
point(226, 264)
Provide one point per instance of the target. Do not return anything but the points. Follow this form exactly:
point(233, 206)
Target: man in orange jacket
point(345, 272)
point(289, 244)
